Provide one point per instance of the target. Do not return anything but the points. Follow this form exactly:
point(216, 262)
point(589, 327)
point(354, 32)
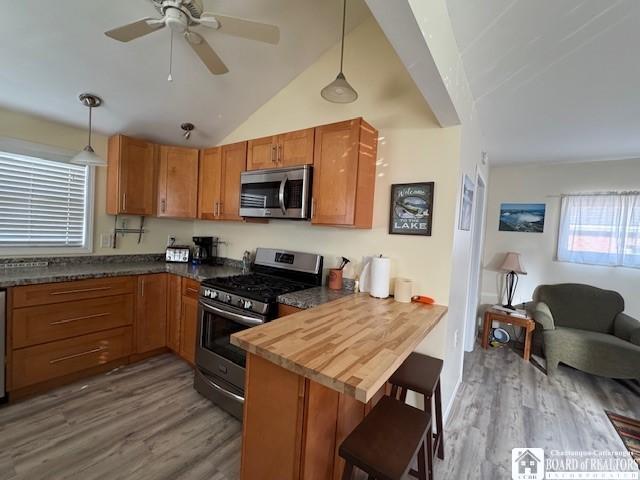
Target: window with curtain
point(602, 229)
point(44, 204)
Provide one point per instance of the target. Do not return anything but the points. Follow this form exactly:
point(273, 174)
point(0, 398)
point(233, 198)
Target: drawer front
point(49, 293)
point(46, 323)
point(190, 288)
point(37, 364)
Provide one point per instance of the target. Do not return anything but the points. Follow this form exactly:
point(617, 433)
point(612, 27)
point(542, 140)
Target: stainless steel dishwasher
point(3, 306)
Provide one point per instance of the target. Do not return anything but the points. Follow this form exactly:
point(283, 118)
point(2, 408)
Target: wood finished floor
point(505, 403)
point(145, 421)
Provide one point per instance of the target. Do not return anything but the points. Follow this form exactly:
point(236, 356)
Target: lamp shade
point(88, 157)
point(339, 91)
point(511, 263)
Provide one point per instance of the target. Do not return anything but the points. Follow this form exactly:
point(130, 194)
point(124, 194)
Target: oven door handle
point(243, 319)
point(220, 389)
point(283, 184)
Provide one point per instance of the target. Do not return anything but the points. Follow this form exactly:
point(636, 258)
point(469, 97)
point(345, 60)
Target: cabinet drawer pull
point(193, 290)
point(80, 290)
point(76, 355)
point(86, 317)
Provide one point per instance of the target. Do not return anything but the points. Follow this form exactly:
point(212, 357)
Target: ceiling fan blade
point(206, 53)
point(129, 32)
point(239, 27)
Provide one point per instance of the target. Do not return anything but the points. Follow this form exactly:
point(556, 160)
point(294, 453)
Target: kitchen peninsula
point(312, 377)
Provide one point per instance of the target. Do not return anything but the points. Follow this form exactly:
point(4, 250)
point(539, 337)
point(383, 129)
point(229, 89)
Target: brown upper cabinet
point(178, 182)
point(131, 176)
point(344, 174)
point(219, 181)
point(284, 150)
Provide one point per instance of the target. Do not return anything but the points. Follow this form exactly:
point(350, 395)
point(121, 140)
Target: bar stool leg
point(348, 471)
point(422, 462)
point(439, 425)
point(429, 455)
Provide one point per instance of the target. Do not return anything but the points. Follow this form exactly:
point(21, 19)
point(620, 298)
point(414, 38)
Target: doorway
point(475, 277)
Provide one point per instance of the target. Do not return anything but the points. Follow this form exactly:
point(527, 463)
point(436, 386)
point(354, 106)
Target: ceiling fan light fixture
point(340, 91)
point(87, 156)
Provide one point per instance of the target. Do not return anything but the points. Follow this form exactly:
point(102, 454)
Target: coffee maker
point(205, 251)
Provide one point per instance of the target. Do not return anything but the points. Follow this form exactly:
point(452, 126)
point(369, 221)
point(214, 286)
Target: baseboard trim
point(447, 410)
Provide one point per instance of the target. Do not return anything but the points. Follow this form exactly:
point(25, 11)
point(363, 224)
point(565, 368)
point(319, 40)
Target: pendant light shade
point(339, 91)
point(87, 156)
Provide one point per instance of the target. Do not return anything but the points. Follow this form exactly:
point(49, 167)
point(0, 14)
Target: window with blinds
point(43, 203)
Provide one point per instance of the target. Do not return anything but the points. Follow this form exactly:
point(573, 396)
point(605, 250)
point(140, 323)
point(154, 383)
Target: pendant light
point(339, 91)
point(87, 156)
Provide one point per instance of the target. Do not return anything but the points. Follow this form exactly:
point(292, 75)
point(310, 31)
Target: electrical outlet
point(455, 338)
point(105, 240)
point(171, 239)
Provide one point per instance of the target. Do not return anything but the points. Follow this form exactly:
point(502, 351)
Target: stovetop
point(264, 288)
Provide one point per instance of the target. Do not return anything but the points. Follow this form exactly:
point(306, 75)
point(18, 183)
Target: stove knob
point(228, 298)
point(247, 304)
point(213, 294)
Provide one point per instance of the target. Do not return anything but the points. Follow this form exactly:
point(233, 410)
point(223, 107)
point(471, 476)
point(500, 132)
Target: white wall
point(412, 147)
point(543, 184)
point(38, 130)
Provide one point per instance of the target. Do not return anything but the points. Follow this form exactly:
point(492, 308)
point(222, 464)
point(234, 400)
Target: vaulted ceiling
point(553, 80)
point(51, 51)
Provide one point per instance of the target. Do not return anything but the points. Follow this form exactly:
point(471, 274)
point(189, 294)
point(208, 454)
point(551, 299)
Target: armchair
point(585, 327)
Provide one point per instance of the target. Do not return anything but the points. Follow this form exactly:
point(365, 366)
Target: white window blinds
point(600, 229)
point(43, 203)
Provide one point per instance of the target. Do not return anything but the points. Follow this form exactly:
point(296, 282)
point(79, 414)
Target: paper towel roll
point(403, 290)
point(380, 275)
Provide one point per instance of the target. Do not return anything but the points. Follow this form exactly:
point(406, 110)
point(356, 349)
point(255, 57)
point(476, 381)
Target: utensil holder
point(335, 279)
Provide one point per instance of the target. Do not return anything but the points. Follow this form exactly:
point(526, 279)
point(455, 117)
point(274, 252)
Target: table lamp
point(512, 266)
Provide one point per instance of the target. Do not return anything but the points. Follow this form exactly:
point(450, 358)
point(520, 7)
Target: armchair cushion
point(627, 328)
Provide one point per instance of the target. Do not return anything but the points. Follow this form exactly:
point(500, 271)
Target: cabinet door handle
point(86, 317)
point(80, 290)
point(163, 205)
point(273, 154)
point(280, 152)
point(217, 210)
point(76, 355)
point(124, 202)
point(220, 208)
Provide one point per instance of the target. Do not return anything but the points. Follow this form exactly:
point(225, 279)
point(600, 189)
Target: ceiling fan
point(182, 15)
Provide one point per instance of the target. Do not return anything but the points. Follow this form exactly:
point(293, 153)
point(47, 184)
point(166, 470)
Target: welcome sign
point(411, 208)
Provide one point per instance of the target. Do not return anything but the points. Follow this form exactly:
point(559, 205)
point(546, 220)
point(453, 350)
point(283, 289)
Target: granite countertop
point(352, 345)
point(10, 277)
point(312, 297)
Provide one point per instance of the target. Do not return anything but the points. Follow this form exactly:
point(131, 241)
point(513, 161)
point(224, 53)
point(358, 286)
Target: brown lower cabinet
point(60, 332)
point(293, 426)
point(151, 313)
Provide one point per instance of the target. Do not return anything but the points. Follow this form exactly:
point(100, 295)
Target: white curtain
point(600, 229)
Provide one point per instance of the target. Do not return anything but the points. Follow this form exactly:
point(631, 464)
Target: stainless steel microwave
point(276, 193)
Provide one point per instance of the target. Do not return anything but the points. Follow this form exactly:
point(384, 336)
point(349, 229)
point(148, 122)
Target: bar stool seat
point(421, 374)
point(385, 443)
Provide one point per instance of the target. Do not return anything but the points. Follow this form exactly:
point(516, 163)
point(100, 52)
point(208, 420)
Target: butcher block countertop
point(352, 345)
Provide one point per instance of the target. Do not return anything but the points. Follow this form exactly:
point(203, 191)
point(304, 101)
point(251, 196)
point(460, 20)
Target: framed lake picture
point(522, 217)
point(411, 208)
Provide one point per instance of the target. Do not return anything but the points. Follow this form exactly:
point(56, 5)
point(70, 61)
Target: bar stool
point(386, 442)
point(421, 374)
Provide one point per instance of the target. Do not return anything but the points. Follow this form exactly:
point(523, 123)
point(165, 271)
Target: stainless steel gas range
point(231, 304)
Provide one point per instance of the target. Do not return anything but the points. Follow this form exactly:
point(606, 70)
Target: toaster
point(178, 254)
